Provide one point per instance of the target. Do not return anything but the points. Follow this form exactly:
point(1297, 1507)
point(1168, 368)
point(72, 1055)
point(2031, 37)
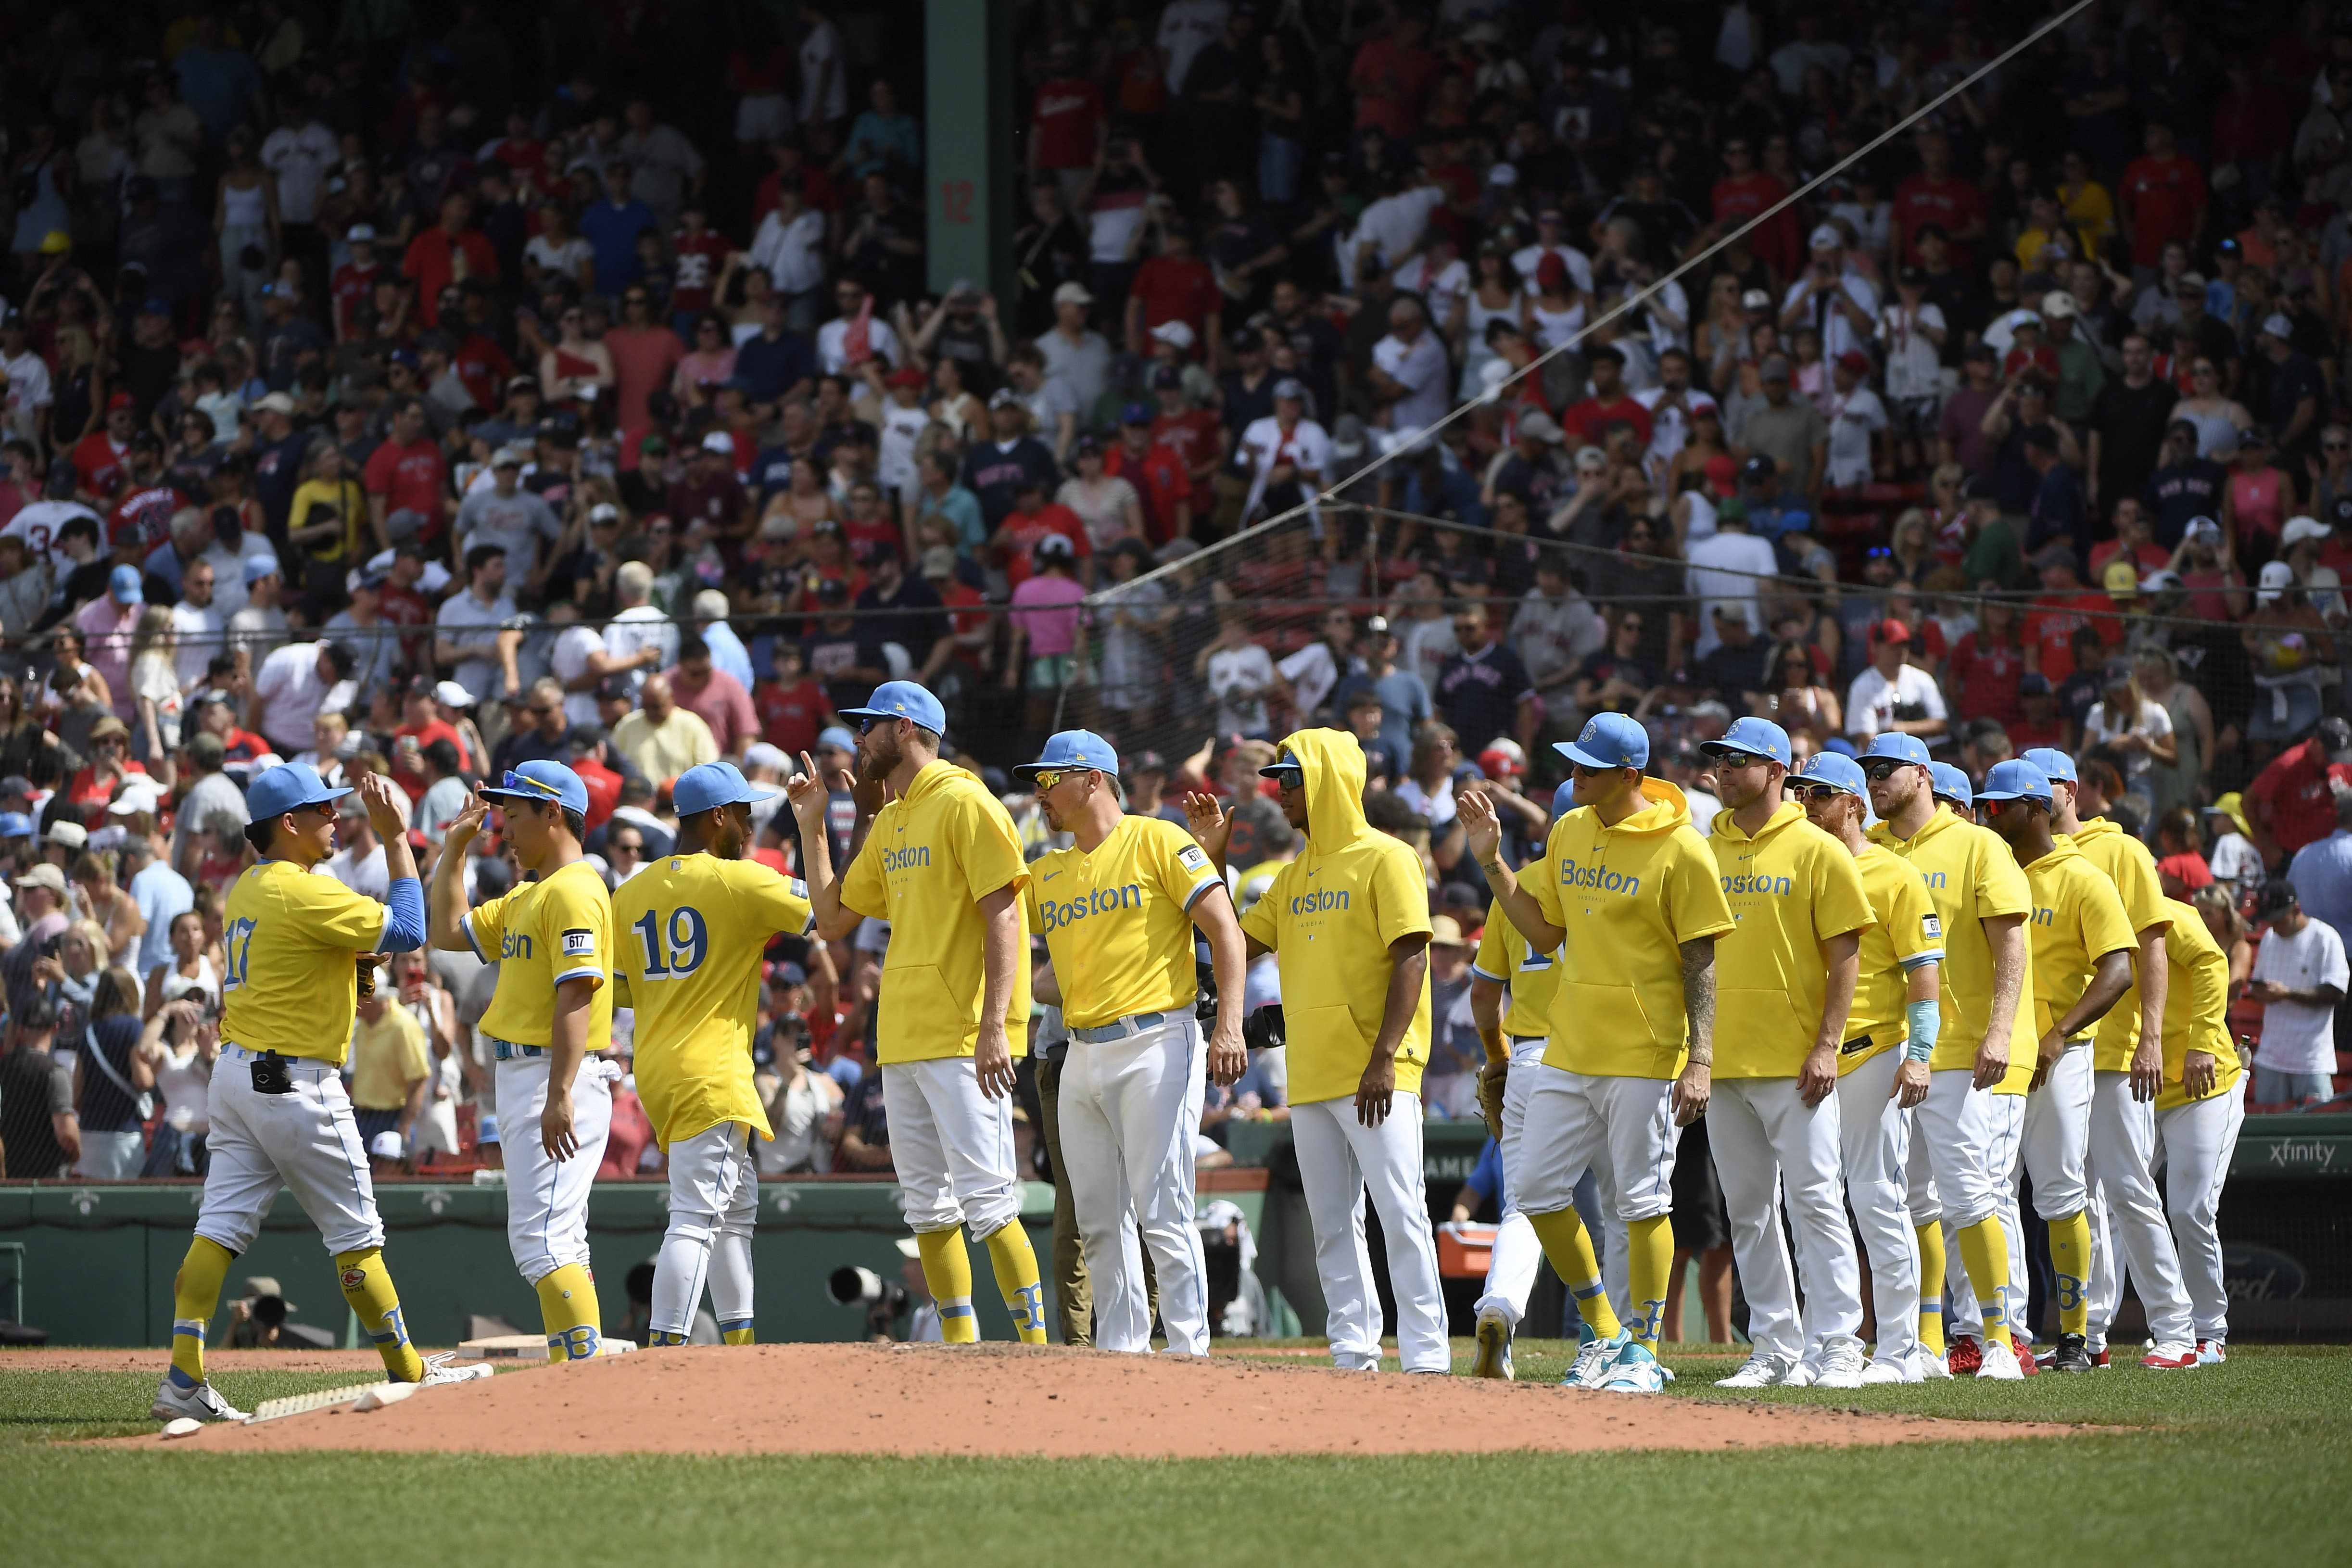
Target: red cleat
point(2101, 1361)
point(2169, 1358)
point(1964, 1356)
point(2025, 1362)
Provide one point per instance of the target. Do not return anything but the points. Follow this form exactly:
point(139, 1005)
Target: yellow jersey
point(1971, 878)
point(1119, 921)
point(290, 940)
point(1329, 919)
point(928, 860)
point(1531, 979)
point(1792, 888)
point(1905, 932)
point(1626, 897)
point(2132, 870)
point(688, 932)
point(541, 934)
point(2196, 1005)
point(387, 1055)
point(2077, 921)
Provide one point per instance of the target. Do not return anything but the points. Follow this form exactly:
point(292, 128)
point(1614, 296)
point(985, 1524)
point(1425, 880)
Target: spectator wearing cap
point(2297, 396)
point(1788, 430)
point(2185, 485)
point(1289, 456)
point(515, 519)
point(999, 469)
point(662, 739)
point(1533, 467)
point(2293, 802)
point(1857, 422)
point(1047, 651)
point(1606, 403)
point(2300, 980)
point(1892, 696)
point(842, 651)
point(542, 731)
point(708, 492)
point(1830, 296)
point(1403, 694)
point(1173, 287)
point(1029, 523)
point(107, 624)
point(1072, 352)
point(2136, 729)
point(142, 518)
point(1408, 377)
point(1730, 570)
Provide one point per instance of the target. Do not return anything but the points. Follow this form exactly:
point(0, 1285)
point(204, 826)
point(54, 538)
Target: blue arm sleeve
point(404, 916)
point(1926, 1022)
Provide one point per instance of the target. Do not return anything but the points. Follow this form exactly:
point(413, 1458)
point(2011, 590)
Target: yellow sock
point(1932, 1263)
point(2070, 1259)
point(196, 1296)
point(1015, 1262)
point(367, 1285)
point(1650, 1266)
point(567, 1305)
point(736, 1333)
point(1984, 1248)
point(1570, 1248)
point(947, 1274)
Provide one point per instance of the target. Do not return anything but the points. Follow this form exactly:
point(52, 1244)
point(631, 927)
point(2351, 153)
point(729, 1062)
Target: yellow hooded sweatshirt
point(1792, 888)
point(1971, 878)
point(2132, 868)
point(1628, 897)
point(1329, 917)
point(2196, 1005)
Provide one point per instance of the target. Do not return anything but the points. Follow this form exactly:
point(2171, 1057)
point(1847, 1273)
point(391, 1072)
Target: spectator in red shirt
point(1157, 474)
point(1193, 435)
point(1173, 285)
point(1935, 195)
point(701, 255)
point(712, 695)
point(1606, 402)
point(421, 725)
point(1745, 191)
point(2134, 533)
point(646, 355)
point(451, 250)
point(353, 284)
point(1033, 517)
point(2290, 804)
point(2064, 608)
point(791, 708)
point(1065, 122)
point(407, 473)
point(142, 519)
point(2164, 199)
point(97, 456)
point(1987, 666)
point(1392, 79)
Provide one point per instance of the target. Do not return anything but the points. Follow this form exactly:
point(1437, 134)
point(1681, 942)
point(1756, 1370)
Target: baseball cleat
point(1636, 1371)
point(2000, 1363)
point(1964, 1356)
point(2170, 1358)
point(1930, 1366)
point(1494, 1354)
point(1841, 1364)
point(1766, 1370)
point(2026, 1362)
point(2211, 1352)
point(1594, 1358)
point(1890, 1369)
point(2074, 1355)
point(438, 1374)
point(194, 1401)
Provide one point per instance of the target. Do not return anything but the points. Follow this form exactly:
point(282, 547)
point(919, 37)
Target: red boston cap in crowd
point(1890, 630)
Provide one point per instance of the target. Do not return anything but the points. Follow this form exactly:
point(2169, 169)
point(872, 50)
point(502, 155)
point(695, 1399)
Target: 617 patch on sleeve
point(580, 942)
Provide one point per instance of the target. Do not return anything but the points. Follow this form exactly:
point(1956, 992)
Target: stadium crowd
point(422, 392)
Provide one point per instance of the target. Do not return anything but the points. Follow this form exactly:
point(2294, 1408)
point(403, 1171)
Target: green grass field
point(2247, 1462)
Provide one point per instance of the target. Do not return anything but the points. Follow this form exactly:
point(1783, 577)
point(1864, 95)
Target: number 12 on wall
point(689, 939)
point(955, 201)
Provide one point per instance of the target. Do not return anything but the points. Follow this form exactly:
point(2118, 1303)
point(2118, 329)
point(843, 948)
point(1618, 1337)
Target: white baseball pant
point(546, 1201)
point(2058, 1135)
point(952, 1147)
point(1764, 1138)
point(1511, 1265)
point(1964, 1154)
point(1605, 1144)
point(306, 1141)
point(1875, 1132)
point(1338, 1160)
point(2122, 1152)
point(714, 1201)
point(2194, 1143)
point(1128, 1111)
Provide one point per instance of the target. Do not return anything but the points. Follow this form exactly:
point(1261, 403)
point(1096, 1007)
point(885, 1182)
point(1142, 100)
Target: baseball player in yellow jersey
point(2127, 1213)
point(2198, 1114)
point(1117, 910)
point(1626, 895)
point(1785, 977)
point(551, 938)
point(941, 862)
point(688, 931)
point(1883, 1063)
point(279, 1114)
point(1347, 922)
point(1965, 1132)
point(2082, 947)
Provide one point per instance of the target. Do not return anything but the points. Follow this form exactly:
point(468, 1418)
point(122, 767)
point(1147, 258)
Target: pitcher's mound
point(995, 1400)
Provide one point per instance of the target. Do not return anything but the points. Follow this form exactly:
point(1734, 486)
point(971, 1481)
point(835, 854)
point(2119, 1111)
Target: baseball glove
point(1490, 1094)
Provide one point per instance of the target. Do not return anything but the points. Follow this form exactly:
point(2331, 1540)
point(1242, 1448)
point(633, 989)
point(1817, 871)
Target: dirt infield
point(993, 1400)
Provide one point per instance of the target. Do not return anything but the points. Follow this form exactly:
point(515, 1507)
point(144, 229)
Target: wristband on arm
point(1926, 1021)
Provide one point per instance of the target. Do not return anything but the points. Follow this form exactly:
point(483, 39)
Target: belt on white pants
point(1121, 1028)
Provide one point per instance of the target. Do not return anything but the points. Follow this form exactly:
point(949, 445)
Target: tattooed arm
point(1698, 1006)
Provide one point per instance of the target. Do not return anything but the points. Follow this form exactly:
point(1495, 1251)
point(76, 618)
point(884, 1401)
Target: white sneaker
point(439, 1372)
point(1889, 1369)
point(1765, 1370)
point(1594, 1358)
point(198, 1402)
point(1494, 1354)
point(1636, 1371)
point(1842, 1363)
point(1929, 1366)
point(2000, 1362)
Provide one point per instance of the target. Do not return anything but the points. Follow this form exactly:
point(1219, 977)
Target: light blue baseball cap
point(835, 736)
point(542, 781)
point(1950, 783)
point(1072, 749)
point(290, 787)
point(16, 825)
point(1608, 740)
point(1902, 748)
point(713, 784)
point(1839, 772)
point(2016, 779)
point(2055, 764)
point(904, 700)
point(1752, 737)
point(123, 584)
point(1563, 800)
